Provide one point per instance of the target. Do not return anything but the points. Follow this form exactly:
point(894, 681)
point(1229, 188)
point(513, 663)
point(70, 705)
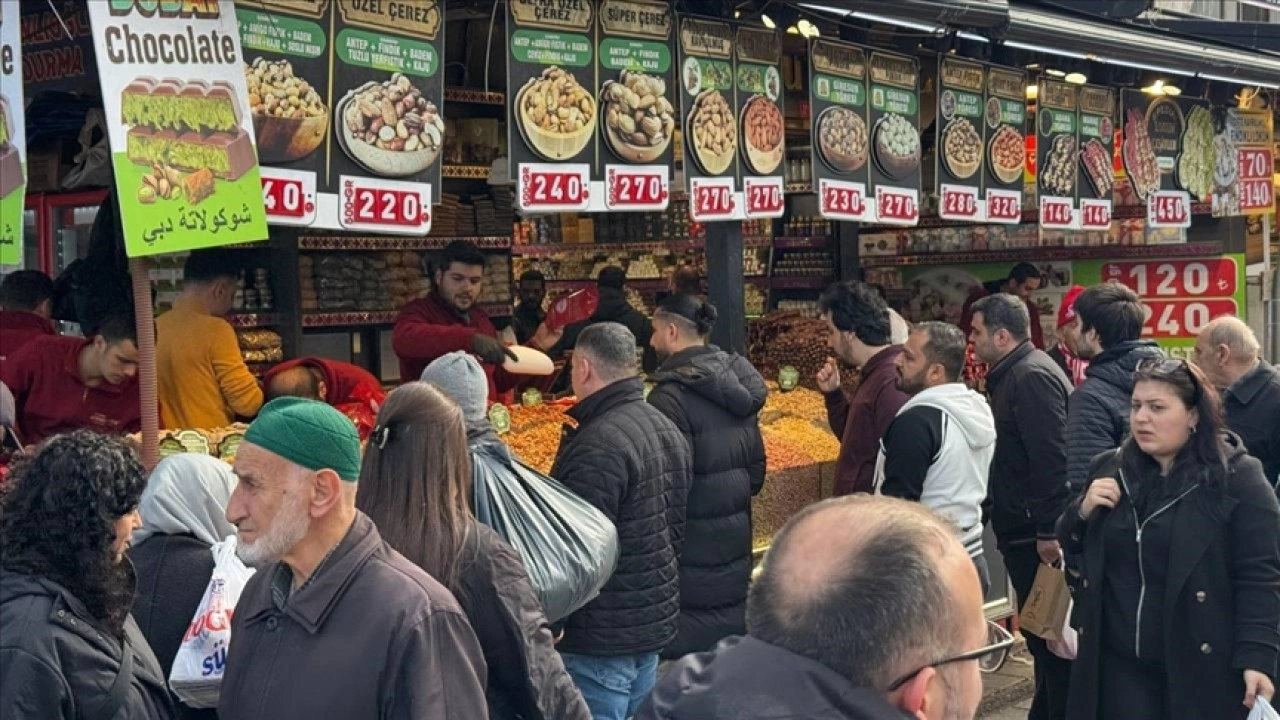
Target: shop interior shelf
point(802, 243)
point(798, 188)
point(799, 283)
point(474, 96)
point(246, 320)
point(466, 172)
point(357, 318)
point(1097, 252)
point(392, 242)
point(655, 246)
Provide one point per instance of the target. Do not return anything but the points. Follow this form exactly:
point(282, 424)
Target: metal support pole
point(725, 285)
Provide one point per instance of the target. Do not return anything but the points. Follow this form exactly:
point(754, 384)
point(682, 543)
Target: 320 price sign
point(637, 187)
point(289, 196)
point(385, 205)
point(1004, 206)
point(548, 187)
point(711, 199)
point(840, 200)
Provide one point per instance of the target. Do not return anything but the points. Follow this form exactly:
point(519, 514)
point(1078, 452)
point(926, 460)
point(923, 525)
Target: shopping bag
point(1065, 646)
point(196, 677)
point(572, 308)
point(1262, 710)
point(569, 548)
point(1045, 612)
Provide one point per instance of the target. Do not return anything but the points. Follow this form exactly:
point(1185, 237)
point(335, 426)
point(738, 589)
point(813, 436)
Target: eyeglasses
point(1160, 368)
point(989, 657)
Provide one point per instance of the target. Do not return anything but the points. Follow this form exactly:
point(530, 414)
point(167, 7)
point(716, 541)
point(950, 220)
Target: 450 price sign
point(289, 196)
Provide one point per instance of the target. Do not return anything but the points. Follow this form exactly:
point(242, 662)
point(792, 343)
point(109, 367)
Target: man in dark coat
point(1108, 334)
point(821, 647)
point(1227, 351)
point(613, 306)
point(335, 623)
point(528, 314)
point(1028, 480)
point(26, 298)
point(1023, 280)
point(714, 398)
point(627, 459)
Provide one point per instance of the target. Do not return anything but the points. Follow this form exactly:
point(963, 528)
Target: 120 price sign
point(1207, 277)
point(840, 200)
point(549, 187)
point(637, 187)
point(712, 199)
point(385, 205)
point(289, 196)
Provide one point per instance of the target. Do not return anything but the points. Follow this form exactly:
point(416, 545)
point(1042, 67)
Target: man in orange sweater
point(203, 380)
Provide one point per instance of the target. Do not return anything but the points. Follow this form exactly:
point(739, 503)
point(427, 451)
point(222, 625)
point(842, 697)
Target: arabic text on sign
point(1214, 277)
point(1004, 206)
point(1182, 318)
point(842, 200)
point(1169, 208)
point(1055, 212)
point(764, 197)
point(1095, 214)
point(894, 205)
point(959, 202)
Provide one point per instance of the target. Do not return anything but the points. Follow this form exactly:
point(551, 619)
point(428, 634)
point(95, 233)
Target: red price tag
point(764, 197)
point(1169, 208)
point(1257, 195)
point(385, 205)
point(1254, 163)
point(712, 199)
point(549, 187)
point(839, 200)
point(1056, 213)
point(959, 203)
point(1095, 214)
point(637, 187)
point(1182, 318)
point(897, 206)
point(1207, 277)
point(1004, 206)
point(289, 196)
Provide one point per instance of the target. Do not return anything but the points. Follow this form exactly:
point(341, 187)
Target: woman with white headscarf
point(183, 513)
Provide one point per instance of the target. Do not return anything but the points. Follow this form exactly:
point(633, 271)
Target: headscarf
point(187, 494)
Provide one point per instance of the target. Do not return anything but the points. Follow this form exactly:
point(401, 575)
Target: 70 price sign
point(289, 196)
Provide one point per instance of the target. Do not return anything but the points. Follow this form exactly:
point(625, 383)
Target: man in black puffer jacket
point(631, 462)
point(714, 398)
point(1108, 334)
point(613, 306)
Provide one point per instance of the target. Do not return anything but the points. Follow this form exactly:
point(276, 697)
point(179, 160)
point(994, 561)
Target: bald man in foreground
point(1228, 352)
point(867, 608)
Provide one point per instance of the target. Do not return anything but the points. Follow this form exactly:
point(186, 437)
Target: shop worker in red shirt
point(26, 300)
point(1024, 279)
point(448, 320)
point(330, 381)
point(858, 322)
point(65, 383)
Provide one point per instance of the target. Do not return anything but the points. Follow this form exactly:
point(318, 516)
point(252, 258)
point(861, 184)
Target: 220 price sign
point(385, 205)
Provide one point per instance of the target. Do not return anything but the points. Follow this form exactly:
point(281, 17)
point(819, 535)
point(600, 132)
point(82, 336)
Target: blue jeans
point(612, 686)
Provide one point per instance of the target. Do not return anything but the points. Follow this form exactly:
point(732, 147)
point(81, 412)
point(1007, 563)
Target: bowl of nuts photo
point(762, 134)
point(639, 119)
point(557, 115)
point(390, 128)
point(714, 131)
point(290, 118)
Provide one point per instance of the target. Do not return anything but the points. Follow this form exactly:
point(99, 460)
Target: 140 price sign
point(289, 196)
point(1257, 193)
point(637, 187)
point(1056, 212)
point(385, 205)
point(553, 187)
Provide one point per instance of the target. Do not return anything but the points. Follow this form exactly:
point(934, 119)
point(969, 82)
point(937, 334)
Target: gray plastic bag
point(569, 548)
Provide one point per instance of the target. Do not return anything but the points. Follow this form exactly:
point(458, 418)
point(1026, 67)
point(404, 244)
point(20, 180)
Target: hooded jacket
point(938, 451)
point(613, 307)
point(714, 398)
point(1098, 411)
point(746, 679)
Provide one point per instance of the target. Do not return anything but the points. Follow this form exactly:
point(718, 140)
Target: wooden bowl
point(555, 146)
point(834, 159)
point(710, 162)
point(762, 161)
point(384, 163)
point(283, 140)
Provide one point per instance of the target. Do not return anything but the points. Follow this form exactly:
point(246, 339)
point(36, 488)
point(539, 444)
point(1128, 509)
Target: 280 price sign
point(549, 187)
point(959, 202)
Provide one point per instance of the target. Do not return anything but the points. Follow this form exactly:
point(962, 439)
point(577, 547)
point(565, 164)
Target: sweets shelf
point(657, 246)
point(1039, 254)
point(356, 318)
point(474, 97)
point(392, 243)
point(248, 320)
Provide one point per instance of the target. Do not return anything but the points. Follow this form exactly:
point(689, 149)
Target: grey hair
point(611, 348)
point(1236, 335)
point(1002, 311)
point(945, 345)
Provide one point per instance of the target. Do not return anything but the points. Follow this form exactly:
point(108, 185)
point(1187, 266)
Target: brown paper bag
point(1045, 612)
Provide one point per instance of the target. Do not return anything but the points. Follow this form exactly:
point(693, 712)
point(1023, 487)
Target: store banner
point(1006, 153)
point(841, 148)
point(553, 111)
point(895, 138)
point(639, 103)
point(961, 128)
point(57, 47)
point(1097, 138)
point(13, 135)
point(710, 104)
point(287, 68)
point(1169, 154)
point(181, 133)
point(759, 90)
point(1057, 147)
point(1244, 163)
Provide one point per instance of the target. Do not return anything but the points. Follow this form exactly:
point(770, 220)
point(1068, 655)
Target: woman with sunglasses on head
point(1173, 552)
point(415, 485)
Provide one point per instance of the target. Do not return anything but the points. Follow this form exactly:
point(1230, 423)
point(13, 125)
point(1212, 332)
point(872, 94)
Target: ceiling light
point(1043, 49)
point(814, 31)
point(909, 24)
point(768, 21)
point(1076, 78)
point(1238, 81)
point(1155, 88)
point(793, 30)
point(972, 36)
point(737, 14)
point(803, 26)
point(1173, 90)
point(1144, 66)
point(1054, 73)
point(1033, 91)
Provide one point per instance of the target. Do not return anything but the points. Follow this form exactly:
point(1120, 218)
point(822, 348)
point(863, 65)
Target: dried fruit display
point(1059, 173)
point(1097, 164)
point(1139, 157)
point(897, 146)
point(557, 115)
point(1197, 162)
point(714, 131)
point(818, 442)
point(762, 134)
point(290, 118)
point(961, 148)
point(1008, 154)
point(788, 339)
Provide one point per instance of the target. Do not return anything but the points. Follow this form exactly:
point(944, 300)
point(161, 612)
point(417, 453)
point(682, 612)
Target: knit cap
point(308, 433)
point(459, 376)
point(1067, 310)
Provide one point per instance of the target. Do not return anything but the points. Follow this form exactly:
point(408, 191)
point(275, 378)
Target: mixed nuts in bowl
point(390, 128)
point(639, 119)
point(897, 146)
point(290, 118)
point(842, 139)
point(557, 115)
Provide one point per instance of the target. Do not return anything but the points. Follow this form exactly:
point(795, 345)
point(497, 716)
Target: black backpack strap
point(111, 705)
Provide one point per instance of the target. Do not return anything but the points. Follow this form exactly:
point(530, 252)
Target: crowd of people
point(379, 591)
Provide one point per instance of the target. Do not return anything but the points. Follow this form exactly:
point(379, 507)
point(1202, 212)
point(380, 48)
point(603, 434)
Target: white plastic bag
point(1262, 710)
point(1065, 646)
point(196, 677)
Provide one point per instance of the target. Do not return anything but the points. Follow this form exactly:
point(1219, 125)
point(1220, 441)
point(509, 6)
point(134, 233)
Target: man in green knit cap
point(335, 624)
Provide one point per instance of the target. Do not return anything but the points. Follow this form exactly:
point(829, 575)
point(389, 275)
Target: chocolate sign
point(13, 140)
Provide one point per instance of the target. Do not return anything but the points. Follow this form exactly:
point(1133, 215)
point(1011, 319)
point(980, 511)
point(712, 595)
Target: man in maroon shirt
point(314, 378)
point(64, 383)
point(1023, 280)
point(448, 320)
point(858, 321)
point(26, 298)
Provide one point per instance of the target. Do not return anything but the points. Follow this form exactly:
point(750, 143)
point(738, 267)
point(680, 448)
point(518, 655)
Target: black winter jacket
point(173, 574)
point(1028, 480)
point(527, 679)
point(58, 663)
point(1098, 413)
point(1220, 609)
point(613, 307)
point(627, 459)
point(714, 398)
point(1252, 406)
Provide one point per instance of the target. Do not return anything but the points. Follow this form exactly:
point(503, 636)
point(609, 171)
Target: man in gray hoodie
point(938, 448)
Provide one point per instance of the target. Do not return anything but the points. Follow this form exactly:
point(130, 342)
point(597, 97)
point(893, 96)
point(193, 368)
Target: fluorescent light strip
point(1043, 49)
point(972, 36)
point(1141, 66)
point(1238, 81)
point(872, 17)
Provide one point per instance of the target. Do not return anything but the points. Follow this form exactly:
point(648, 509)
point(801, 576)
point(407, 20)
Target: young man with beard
point(938, 449)
point(448, 320)
point(335, 623)
point(859, 328)
point(714, 398)
point(528, 314)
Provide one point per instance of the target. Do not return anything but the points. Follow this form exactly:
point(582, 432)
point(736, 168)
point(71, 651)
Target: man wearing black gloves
point(1029, 471)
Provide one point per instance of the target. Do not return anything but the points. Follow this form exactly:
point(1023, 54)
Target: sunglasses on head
point(989, 657)
point(1163, 368)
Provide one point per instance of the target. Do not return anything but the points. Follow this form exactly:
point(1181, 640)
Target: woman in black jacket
point(1174, 559)
point(416, 487)
point(68, 647)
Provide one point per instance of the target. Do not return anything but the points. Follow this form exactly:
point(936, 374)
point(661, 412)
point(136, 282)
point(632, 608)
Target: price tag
point(551, 187)
point(384, 205)
point(1057, 213)
point(1254, 163)
point(1204, 277)
point(1004, 206)
point(711, 199)
point(764, 197)
point(1257, 196)
point(1095, 214)
point(959, 202)
point(637, 187)
point(1169, 209)
point(1182, 318)
point(897, 206)
point(289, 196)
point(840, 200)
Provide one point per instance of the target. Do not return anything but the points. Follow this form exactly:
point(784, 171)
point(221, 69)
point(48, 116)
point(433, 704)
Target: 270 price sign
point(712, 199)
point(840, 200)
point(289, 196)
point(551, 187)
point(636, 187)
point(1182, 318)
point(897, 206)
point(385, 205)
point(764, 197)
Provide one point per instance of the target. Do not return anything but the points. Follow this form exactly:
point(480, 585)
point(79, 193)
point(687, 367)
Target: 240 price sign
point(289, 196)
point(548, 187)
